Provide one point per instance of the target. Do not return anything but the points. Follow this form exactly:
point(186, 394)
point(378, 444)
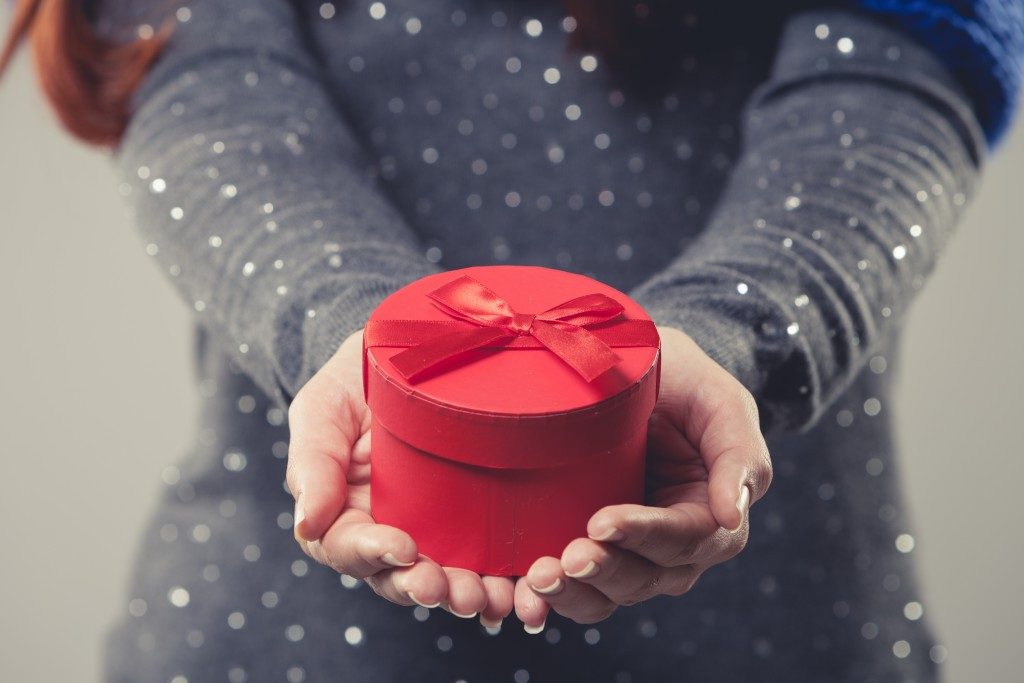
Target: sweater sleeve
point(255, 196)
point(859, 154)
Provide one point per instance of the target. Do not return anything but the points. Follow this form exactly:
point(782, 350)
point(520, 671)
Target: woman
point(293, 163)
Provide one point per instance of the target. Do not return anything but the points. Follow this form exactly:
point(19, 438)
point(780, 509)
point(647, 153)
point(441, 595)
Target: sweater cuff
point(325, 327)
point(728, 341)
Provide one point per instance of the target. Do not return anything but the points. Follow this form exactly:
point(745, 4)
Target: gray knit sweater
point(780, 200)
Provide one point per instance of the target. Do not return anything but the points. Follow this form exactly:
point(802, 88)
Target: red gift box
point(508, 403)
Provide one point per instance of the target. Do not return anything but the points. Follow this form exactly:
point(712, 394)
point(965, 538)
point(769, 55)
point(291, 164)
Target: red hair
point(88, 80)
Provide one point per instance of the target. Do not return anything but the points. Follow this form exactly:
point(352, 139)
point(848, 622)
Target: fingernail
point(743, 505)
point(460, 616)
point(534, 630)
point(555, 587)
point(300, 514)
point(422, 604)
point(492, 625)
point(586, 572)
point(389, 558)
point(612, 534)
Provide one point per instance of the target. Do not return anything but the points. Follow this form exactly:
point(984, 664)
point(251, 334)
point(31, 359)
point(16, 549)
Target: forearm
point(859, 155)
point(257, 199)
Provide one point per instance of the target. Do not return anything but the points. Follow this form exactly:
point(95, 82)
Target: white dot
point(445, 643)
point(177, 213)
point(252, 79)
point(874, 466)
point(158, 185)
point(353, 635)
point(327, 10)
point(792, 202)
point(792, 328)
point(533, 28)
point(556, 154)
point(137, 607)
point(913, 610)
point(904, 543)
point(251, 552)
point(606, 198)
point(215, 241)
point(270, 599)
point(742, 288)
point(898, 252)
point(844, 45)
point(236, 620)
point(573, 112)
point(430, 155)
point(901, 649)
point(183, 14)
point(413, 26)
point(588, 63)
point(513, 65)
point(513, 199)
point(624, 251)
point(872, 407)
point(552, 75)
point(295, 674)
point(145, 31)
point(592, 636)
point(915, 230)
point(248, 269)
point(200, 533)
point(602, 141)
point(178, 596)
point(228, 191)
point(294, 633)
point(938, 654)
point(378, 10)
point(821, 31)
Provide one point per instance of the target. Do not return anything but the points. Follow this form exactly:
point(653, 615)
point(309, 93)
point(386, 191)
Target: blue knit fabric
point(981, 42)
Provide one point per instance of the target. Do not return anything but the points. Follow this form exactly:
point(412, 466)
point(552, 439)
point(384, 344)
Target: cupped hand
point(707, 462)
point(329, 476)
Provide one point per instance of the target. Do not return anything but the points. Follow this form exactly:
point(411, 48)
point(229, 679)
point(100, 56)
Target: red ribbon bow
point(561, 329)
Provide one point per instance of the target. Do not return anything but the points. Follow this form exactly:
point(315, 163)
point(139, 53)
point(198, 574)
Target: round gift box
point(502, 454)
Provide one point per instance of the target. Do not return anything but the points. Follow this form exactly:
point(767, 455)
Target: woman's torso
point(495, 157)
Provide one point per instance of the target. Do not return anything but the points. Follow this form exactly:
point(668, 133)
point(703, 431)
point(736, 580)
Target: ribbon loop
point(561, 329)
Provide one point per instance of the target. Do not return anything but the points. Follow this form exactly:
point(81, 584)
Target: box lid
point(512, 402)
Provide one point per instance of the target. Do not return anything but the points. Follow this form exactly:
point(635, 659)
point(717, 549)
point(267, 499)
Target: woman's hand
point(706, 463)
point(329, 476)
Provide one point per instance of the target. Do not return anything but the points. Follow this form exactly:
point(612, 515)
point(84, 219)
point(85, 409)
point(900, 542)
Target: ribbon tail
point(577, 346)
point(414, 361)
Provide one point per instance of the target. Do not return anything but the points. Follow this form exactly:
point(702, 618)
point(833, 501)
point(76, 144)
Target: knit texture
point(290, 164)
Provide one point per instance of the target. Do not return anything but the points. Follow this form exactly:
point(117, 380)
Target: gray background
point(96, 398)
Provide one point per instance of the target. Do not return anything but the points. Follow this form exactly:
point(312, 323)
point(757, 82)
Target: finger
point(572, 599)
point(467, 596)
point(684, 533)
point(622, 576)
point(719, 416)
point(500, 601)
point(323, 426)
point(530, 608)
point(356, 546)
point(424, 583)
point(738, 462)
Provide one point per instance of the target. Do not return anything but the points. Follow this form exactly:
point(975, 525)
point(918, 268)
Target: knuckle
point(686, 551)
point(735, 545)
